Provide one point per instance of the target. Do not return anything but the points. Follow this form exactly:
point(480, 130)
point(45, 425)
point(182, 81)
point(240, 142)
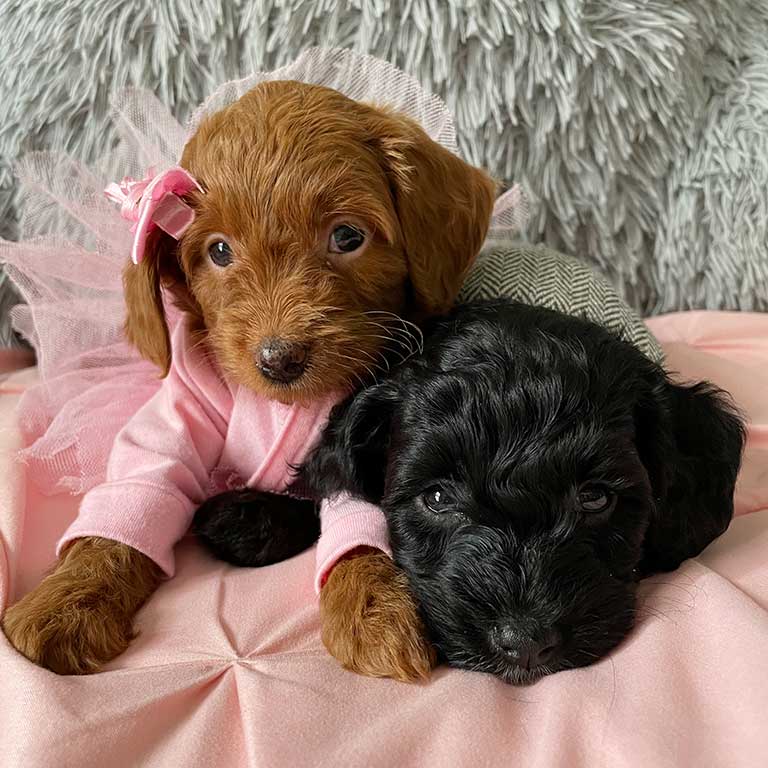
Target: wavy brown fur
point(80, 616)
point(370, 622)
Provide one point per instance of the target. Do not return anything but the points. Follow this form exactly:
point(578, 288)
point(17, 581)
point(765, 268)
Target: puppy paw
point(254, 528)
point(370, 622)
point(77, 640)
point(80, 616)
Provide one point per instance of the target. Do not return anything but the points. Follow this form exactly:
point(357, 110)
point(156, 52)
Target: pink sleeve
point(159, 467)
point(345, 524)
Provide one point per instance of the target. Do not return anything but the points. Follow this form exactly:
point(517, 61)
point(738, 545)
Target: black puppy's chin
point(513, 675)
point(583, 642)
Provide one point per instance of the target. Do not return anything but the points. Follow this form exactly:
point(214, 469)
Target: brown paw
point(370, 622)
point(77, 640)
point(80, 616)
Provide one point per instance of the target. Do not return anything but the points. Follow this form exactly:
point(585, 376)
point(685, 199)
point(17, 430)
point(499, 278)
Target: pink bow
point(153, 201)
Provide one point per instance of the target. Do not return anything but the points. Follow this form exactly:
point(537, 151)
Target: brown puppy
point(343, 218)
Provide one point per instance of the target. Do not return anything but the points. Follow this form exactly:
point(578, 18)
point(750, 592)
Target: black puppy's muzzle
point(521, 611)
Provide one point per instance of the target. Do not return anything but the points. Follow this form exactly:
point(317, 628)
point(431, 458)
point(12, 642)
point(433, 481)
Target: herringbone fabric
point(535, 274)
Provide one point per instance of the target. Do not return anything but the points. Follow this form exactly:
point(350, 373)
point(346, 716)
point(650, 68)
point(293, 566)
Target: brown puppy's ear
point(444, 206)
point(145, 324)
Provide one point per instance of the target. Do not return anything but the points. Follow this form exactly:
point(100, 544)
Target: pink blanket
point(229, 669)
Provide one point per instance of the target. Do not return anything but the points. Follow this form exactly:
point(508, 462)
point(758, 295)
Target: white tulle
point(74, 245)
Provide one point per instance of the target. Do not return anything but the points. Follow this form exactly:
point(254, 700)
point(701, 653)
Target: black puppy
point(532, 467)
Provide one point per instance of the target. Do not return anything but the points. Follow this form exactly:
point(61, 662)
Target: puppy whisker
point(388, 339)
point(401, 346)
point(402, 324)
point(408, 325)
point(384, 364)
point(390, 330)
point(356, 362)
point(405, 329)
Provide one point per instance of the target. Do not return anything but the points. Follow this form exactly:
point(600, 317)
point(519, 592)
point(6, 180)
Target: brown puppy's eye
point(345, 239)
point(593, 499)
point(220, 253)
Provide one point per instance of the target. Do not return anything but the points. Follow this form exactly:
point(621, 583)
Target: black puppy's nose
point(281, 360)
point(523, 649)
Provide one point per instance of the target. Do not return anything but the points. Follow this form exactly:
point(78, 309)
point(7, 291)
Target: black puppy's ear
point(690, 439)
point(352, 453)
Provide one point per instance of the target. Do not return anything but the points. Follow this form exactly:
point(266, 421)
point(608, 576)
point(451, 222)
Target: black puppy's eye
point(220, 253)
point(593, 499)
point(345, 239)
point(438, 500)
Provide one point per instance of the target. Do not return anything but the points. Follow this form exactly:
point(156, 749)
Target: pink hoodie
point(197, 436)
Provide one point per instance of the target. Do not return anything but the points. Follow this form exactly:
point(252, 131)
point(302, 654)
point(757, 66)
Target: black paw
point(253, 528)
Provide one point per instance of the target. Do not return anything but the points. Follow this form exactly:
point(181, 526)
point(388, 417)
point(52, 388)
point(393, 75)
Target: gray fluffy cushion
point(638, 129)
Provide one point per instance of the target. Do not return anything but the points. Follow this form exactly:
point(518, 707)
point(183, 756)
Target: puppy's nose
point(281, 360)
point(523, 649)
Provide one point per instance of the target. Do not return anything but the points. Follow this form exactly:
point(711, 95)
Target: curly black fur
point(488, 454)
